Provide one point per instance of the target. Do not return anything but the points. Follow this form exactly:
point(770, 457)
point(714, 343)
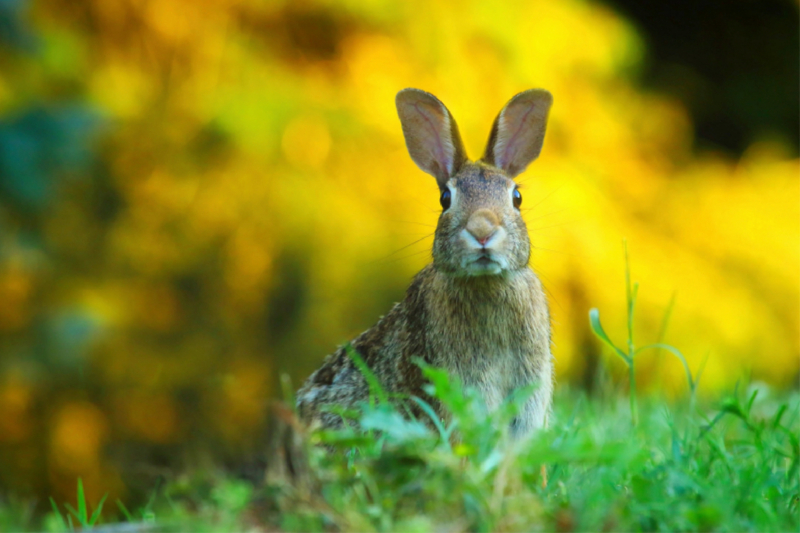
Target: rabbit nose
point(482, 225)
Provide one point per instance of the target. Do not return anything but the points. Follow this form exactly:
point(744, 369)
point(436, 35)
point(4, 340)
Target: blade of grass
point(374, 384)
point(74, 512)
point(777, 420)
point(98, 510)
point(82, 513)
point(124, 511)
point(674, 351)
point(662, 330)
point(57, 513)
point(751, 401)
point(597, 328)
point(428, 410)
point(147, 513)
point(630, 293)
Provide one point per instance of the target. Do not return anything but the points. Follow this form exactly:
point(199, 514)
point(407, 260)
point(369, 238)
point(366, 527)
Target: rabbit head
point(480, 231)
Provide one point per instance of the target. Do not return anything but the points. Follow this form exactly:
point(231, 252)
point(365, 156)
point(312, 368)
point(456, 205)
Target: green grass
point(733, 470)
point(81, 514)
point(731, 466)
point(614, 463)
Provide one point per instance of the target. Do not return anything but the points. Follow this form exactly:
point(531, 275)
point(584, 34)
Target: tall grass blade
point(674, 351)
point(630, 297)
point(662, 330)
point(82, 513)
point(597, 328)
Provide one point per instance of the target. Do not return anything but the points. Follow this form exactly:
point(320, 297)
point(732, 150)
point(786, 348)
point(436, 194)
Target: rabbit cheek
point(522, 248)
point(445, 250)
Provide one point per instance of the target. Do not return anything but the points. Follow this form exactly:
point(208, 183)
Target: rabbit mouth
point(483, 265)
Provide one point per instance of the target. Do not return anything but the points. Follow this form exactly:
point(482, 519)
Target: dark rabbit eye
point(445, 199)
point(517, 198)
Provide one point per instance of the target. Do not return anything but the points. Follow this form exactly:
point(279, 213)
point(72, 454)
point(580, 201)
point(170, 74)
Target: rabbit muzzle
point(482, 226)
point(482, 239)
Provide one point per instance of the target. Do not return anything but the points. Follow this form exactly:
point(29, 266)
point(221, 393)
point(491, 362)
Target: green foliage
point(735, 470)
point(81, 514)
point(732, 468)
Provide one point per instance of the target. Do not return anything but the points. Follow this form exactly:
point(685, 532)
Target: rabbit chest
point(493, 334)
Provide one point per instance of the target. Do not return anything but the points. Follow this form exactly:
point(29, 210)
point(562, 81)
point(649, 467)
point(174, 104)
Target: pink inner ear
point(438, 147)
point(511, 145)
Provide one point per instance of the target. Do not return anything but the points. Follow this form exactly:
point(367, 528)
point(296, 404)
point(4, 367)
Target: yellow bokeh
point(313, 165)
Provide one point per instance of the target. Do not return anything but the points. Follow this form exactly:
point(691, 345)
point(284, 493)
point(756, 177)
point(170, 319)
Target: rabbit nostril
point(482, 239)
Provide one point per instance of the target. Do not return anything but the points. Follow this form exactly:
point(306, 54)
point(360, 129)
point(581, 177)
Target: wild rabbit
point(478, 310)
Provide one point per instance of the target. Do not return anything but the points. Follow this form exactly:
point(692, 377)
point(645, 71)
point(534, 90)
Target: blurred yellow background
point(235, 199)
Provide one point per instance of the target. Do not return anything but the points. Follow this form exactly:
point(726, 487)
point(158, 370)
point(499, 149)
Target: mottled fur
point(478, 310)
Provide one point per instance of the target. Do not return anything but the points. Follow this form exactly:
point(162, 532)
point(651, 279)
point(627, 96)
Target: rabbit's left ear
point(431, 134)
point(518, 132)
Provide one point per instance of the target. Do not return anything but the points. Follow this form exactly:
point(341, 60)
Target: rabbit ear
point(431, 134)
point(518, 131)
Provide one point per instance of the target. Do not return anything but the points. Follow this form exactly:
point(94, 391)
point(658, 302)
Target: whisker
point(545, 215)
point(395, 259)
point(548, 195)
point(416, 223)
point(542, 279)
point(403, 248)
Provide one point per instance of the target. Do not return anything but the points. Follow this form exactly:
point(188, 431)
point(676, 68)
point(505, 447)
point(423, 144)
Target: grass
point(614, 463)
point(729, 466)
point(81, 514)
point(733, 470)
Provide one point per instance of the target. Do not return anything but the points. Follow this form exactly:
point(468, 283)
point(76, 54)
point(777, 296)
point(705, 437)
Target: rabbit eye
point(517, 198)
point(445, 199)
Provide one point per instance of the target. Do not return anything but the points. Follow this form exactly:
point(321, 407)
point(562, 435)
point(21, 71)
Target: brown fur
point(478, 310)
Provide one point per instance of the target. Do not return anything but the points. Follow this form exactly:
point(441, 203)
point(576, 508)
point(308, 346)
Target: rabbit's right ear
point(431, 134)
point(518, 131)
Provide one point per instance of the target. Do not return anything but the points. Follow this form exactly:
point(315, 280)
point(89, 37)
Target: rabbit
point(478, 310)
